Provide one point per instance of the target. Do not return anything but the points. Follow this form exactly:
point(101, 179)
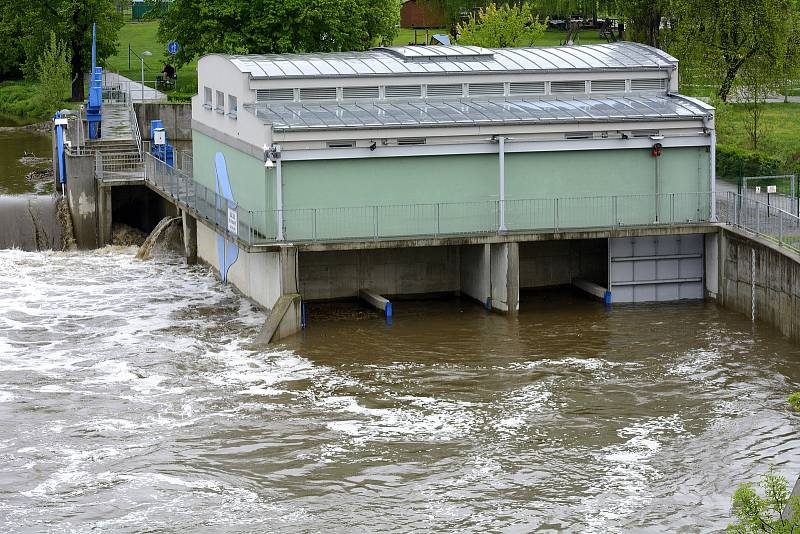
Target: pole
point(279, 198)
point(713, 175)
point(142, 59)
point(129, 57)
point(501, 144)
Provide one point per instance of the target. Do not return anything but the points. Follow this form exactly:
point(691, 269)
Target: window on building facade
point(220, 107)
point(233, 106)
point(207, 97)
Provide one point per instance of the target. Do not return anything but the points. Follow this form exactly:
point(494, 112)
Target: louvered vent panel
point(655, 84)
point(403, 91)
point(318, 93)
point(560, 88)
point(360, 92)
point(264, 95)
point(452, 89)
point(527, 88)
point(486, 89)
point(403, 141)
point(608, 86)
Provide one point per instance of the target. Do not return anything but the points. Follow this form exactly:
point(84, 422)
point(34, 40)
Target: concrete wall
point(555, 263)
point(340, 274)
point(475, 263)
point(82, 197)
point(777, 280)
point(177, 119)
point(256, 275)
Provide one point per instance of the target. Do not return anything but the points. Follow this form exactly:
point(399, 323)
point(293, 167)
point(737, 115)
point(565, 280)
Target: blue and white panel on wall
point(227, 251)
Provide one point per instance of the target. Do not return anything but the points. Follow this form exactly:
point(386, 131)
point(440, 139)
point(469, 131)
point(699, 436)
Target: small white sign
point(233, 221)
point(772, 189)
point(758, 189)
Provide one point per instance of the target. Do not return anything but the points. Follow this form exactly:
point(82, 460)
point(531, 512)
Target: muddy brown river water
point(130, 402)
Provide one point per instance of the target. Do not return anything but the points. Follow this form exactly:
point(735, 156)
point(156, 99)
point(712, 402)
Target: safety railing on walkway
point(424, 220)
point(759, 218)
point(118, 166)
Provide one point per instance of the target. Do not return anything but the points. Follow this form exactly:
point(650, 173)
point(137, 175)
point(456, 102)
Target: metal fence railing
point(117, 166)
point(760, 218)
point(254, 227)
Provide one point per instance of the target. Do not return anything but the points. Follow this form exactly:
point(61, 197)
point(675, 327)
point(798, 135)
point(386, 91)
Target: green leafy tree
point(53, 71)
point(12, 30)
point(720, 37)
point(504, 26)
point(275, 26)
point(71, 20)
point(775, 512)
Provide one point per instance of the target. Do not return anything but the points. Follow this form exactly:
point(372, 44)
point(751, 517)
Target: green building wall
point(404, 196)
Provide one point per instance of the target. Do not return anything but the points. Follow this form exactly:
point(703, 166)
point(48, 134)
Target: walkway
point(134, 91)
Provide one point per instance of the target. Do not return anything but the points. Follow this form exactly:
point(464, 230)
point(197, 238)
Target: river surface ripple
point(130, 402)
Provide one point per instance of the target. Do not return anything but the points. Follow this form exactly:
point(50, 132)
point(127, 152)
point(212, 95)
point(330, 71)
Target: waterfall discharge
point(167, 236)
point(33, 223)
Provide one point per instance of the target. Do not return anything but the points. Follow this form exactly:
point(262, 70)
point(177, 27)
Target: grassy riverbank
point(20, 104)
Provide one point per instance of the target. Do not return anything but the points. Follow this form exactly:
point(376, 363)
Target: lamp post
point(145, 54)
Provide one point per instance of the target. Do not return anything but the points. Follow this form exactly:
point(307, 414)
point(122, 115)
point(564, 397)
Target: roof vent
point(318, 93)
point(439, 53)
point(486, 89)
point(403, 91)
point(264, 95)
point(608, 86)
point(654, 84)
point(574, 87)
point(450, 89)
point(360, 92)
point(527, 88)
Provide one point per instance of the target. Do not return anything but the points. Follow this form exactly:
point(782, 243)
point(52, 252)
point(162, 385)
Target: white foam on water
point(6, 396)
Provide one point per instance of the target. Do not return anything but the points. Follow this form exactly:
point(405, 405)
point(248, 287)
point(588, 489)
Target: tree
point(794, 400)
point(776, 512)
point(721, 36)
point(275, 26)
point(53, 70)
point(508, 25)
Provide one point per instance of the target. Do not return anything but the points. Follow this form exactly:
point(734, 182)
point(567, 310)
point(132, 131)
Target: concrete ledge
point(517, 237)
point(283, 320)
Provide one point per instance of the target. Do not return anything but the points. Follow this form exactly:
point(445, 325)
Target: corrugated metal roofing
point(383, 114)
point(410, 60)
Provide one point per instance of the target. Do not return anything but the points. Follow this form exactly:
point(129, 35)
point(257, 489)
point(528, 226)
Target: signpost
point(173, 47)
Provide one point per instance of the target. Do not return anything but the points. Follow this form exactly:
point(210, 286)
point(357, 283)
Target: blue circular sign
point(173, 47)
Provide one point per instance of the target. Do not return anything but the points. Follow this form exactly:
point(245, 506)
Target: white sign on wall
point(233, 221)
point(772, 189)
point(758, 189)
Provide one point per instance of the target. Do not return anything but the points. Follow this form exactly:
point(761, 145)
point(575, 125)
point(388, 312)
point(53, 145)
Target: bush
point(794, 400)
point(19, 99)
point(733, 162)
point(777, 512)
point(54, 73)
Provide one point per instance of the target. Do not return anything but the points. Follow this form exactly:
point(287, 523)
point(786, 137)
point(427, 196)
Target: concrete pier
point(189, 237)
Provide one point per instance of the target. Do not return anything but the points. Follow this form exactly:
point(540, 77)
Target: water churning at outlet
point(129, 402)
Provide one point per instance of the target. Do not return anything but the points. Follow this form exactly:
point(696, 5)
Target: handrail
point(760, 218)
point(254, 227)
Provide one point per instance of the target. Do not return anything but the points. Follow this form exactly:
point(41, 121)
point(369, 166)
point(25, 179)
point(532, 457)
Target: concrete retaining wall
point(777, 280)
point(340, 274)
point(82, 196)
point(256, 275)
point(177, 119)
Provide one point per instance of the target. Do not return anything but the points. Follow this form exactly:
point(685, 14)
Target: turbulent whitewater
point(129, 402)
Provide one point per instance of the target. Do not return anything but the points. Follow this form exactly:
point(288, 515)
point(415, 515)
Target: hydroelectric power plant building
point(450, 169)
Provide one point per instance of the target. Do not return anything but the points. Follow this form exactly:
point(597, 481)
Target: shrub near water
point(54, 74)
point(794, 400)
point(733, 162)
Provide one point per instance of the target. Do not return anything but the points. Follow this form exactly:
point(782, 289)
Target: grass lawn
point(19, 104)
point(781, 134)
point(141, 36)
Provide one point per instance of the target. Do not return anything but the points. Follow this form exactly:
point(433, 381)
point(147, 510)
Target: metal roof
point(411, 60)
point(474, 112)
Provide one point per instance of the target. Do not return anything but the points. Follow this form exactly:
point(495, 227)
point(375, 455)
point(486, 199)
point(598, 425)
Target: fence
point(760, 218)
point(118, 166)
point(424, 220)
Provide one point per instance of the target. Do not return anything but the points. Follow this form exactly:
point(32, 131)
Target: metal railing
point(424, 220)
point(760, 218)
point(137, 135)
point(119, 166)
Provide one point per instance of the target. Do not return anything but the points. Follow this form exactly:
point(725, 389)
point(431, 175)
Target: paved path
point(135, 90)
